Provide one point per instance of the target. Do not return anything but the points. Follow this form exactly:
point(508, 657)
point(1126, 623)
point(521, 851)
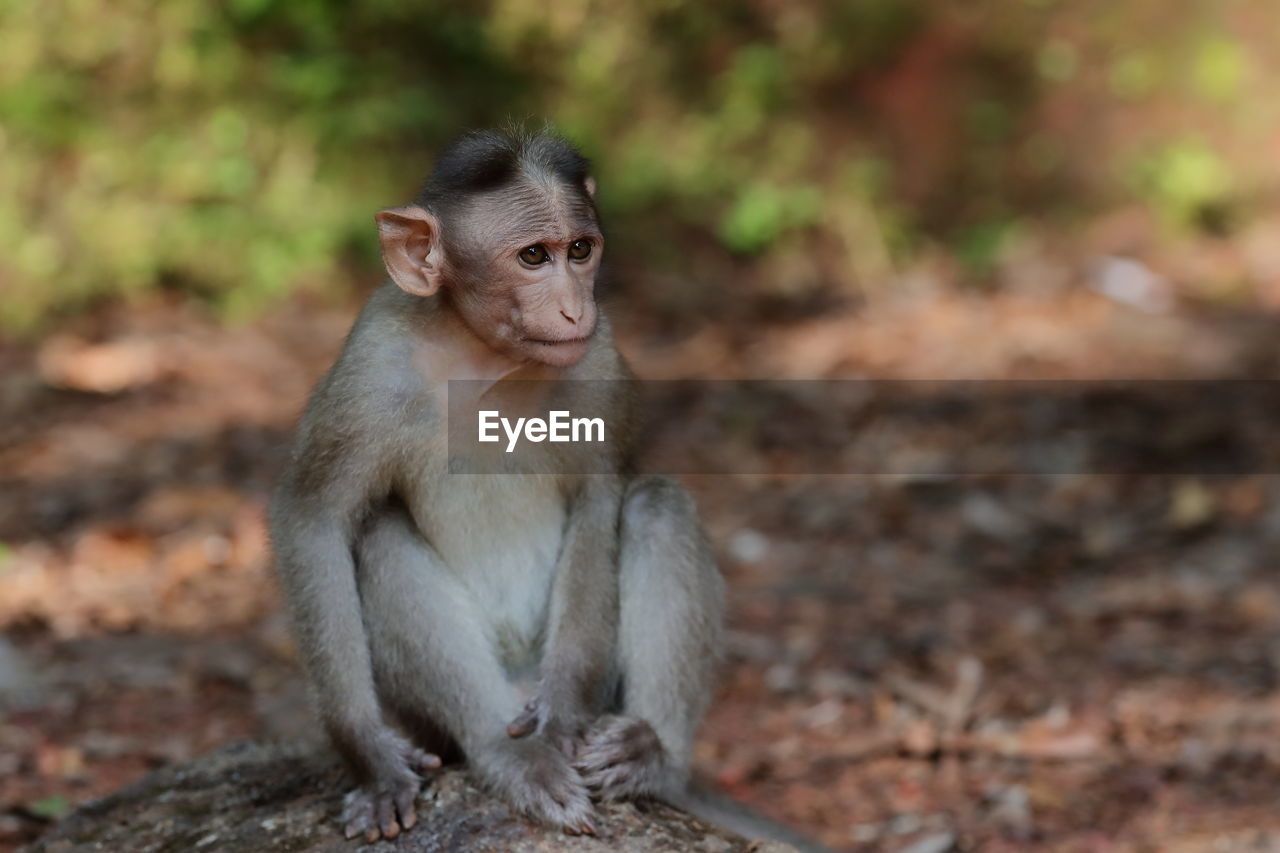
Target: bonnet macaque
point(557, 631)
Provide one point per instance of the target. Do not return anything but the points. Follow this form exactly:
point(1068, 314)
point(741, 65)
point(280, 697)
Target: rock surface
point(256, 798)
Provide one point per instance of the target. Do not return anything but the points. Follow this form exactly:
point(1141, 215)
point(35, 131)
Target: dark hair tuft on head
point(484, 160)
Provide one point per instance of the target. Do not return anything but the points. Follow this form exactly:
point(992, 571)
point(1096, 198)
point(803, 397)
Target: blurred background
point(998, 189)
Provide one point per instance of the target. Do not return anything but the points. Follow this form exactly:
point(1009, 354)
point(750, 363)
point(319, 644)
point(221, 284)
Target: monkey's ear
point(590, 184)
point(411, 251)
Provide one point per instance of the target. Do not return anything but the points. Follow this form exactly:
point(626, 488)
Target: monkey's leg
point(672, 603)
point(435, 666)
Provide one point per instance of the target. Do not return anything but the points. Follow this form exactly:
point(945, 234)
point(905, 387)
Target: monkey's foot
point(622, 758)
point(384, 807)
point(534, 776)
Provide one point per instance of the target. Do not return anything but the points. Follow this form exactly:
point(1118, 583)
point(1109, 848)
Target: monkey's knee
point(663, 549)
point(654, 503)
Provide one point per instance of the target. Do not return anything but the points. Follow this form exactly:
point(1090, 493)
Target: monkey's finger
point(387, 817)
point(568, 746)
point(404, 805)
point(422, 762)
point(582, 827)
point(525, 724)
point(357, 817)
point(519, 729)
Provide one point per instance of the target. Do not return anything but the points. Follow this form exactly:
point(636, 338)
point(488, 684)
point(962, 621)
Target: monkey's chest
point(500, 536)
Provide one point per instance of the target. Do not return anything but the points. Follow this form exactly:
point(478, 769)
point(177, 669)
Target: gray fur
point(422, 602)
point(419, 599)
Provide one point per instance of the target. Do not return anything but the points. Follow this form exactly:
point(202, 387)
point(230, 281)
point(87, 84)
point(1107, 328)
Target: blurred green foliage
point(1186, 180)
point(238, 149)
point(50, 808)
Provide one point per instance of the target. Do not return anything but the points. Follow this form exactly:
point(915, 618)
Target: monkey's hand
point(384, 805)
point(622, 758)
point(536, 778)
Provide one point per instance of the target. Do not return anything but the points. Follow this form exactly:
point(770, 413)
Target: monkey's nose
point(573, 320)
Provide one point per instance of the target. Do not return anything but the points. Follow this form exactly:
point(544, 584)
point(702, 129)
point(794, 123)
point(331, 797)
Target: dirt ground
point(994, 663)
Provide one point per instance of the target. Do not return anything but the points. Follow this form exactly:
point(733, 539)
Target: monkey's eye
point(532, 256)
point(580, 250)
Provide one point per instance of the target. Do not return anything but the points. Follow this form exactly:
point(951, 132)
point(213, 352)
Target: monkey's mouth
point(560, 341)
point(560, 352)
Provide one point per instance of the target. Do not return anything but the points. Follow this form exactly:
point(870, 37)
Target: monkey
point(558, 632)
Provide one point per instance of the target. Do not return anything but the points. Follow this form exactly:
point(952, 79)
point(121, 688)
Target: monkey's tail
point(714, 807)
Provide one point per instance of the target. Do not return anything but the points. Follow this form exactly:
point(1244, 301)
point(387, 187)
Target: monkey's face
point(523, 264)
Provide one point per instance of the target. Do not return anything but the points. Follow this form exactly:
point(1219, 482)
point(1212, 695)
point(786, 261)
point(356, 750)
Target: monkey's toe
point(422, 762)
point(621, 758)
point(379, 812)
point(359, 815)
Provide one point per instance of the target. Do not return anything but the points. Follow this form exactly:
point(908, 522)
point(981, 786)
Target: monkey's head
point(506, 230)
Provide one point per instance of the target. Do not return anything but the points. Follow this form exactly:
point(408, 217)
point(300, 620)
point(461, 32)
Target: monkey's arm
point(314, 516)
point(583, 620)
